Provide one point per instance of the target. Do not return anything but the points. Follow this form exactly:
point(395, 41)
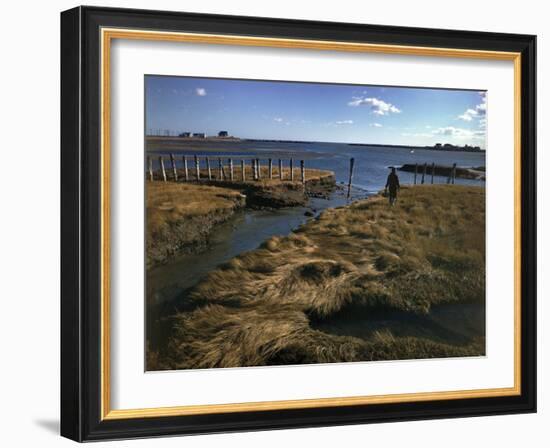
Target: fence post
point(150, 163)
point(280, 169)
point(454, 172)
point(351, 164)
point(415, 172)
point(220, 169)
point(253, 162)
point(231, 169)
point(303, 172)
point(185, 169)
point(259, 168)
point(243, 169)
point(270, 168)
point(424, 173)
point(208, 168)
point(161, 162)
point(291, 170)
point(197, 168)
point(174, 170)
point(433, 172)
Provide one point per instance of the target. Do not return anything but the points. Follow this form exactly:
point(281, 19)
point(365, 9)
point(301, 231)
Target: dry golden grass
point(256, 309)
point(168, 202)
point(180, 214)
point(310, 173)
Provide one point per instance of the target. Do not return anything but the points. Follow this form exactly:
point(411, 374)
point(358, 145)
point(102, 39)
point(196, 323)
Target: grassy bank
point(367, 259)
point(181, 215)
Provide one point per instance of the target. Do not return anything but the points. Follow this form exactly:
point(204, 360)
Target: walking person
point(393, 185)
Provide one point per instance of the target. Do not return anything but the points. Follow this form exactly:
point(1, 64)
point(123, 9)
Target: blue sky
point(315, 112)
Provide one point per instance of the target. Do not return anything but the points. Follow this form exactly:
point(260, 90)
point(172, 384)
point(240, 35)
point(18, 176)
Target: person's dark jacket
point(392, 183)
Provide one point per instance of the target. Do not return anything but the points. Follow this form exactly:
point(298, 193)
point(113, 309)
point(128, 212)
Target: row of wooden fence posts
point(256, 170)
point(255, 163)
point(450, 179)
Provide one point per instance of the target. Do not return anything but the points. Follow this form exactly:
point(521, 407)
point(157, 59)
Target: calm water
point(371, 162)
point(167, 284)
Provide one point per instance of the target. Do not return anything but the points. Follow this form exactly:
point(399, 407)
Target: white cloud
point(375, 125)
point(377, 106)
point(418, 134)
point(468, 115)
point(478, 111)
point(344, 122)
point(451, 131)
point(200, 91)
point(278, 119)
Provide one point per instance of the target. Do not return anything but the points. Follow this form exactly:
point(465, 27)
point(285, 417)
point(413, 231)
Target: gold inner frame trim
point(107, 35)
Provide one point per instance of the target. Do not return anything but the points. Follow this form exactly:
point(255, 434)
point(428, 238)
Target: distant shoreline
point(177, 139)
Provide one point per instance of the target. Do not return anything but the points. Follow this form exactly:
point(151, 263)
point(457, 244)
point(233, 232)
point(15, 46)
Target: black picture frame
point(81, 213)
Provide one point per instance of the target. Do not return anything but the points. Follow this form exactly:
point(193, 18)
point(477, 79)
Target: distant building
point(223, 134)
point(185, 134)
point(199, 135)
point(438, 145)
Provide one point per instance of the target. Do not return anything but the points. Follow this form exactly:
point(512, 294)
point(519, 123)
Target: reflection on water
point(453, 323)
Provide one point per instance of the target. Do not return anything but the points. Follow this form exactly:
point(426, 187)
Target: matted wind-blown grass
point(261, 308)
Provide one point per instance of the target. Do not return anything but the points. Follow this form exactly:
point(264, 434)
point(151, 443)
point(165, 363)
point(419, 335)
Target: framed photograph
point(276, 224)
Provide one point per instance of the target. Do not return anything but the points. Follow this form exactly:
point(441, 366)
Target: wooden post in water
point(197, 168)
point(174, 170)
point(243, 169)
point(208, 168)
point(270, 168)
point(161, 163)
point(150, 164)
point(291, 170)
point(231, 170)
point(351, 164)
point(424, 173)
point(185, 169)
point(415, 172)
point(224, 175)
point(303, 172)
point(280, 169)
point(454, 173)
point(220, 169)
point(433, 172)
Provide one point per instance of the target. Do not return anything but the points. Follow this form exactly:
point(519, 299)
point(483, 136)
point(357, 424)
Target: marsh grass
point(180, 215)
point(258, 308)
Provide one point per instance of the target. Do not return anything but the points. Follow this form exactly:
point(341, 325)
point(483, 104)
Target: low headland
point(477, 173)
point(358, 283)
